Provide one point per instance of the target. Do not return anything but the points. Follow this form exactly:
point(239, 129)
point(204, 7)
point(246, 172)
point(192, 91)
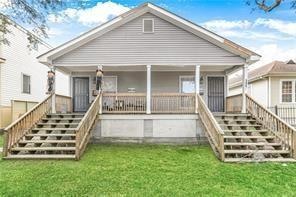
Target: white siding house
point(22, 77)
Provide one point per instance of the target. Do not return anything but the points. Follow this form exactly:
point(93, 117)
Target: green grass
point(145, 170)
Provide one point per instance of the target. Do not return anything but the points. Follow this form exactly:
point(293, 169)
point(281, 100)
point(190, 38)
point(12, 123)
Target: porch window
point(187, 84)
point(26, 84)
point(287, 91)
point(109, 84)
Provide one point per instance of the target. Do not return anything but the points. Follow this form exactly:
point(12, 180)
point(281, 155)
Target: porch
point(152, 89)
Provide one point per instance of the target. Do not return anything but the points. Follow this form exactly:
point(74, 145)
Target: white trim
point(143, 21)
point(293, 91)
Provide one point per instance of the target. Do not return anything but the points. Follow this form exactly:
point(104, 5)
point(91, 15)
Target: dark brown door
point(216, 94)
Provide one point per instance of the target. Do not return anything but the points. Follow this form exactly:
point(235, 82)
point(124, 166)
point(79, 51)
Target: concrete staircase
point(53, 137)
point(246, 140)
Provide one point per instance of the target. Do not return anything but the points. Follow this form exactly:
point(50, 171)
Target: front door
point(80, 94)
point(216, 94)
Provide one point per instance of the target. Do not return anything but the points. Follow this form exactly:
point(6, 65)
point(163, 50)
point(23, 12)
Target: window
point(148, 25)
point(187, 84)
point(26, 84)
point(287, 89)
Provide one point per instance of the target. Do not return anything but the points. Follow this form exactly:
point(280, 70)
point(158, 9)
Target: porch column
point(148, 95)
point(197, 77)
point(100, 92)
point(244, 88)
point(53, 102)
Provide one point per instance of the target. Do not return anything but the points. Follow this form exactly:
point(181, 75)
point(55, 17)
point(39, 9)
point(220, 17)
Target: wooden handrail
point(283, 131)
point(16, 130)
point(213, 130)
point(85, 126)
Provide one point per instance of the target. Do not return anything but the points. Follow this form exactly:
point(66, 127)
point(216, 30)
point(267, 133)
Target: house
point(22, 77)
point(165, 81)
point(274, 86)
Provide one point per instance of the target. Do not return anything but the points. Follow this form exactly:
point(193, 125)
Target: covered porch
point(152, 89)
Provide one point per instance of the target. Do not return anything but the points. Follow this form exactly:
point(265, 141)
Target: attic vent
point(148, 25)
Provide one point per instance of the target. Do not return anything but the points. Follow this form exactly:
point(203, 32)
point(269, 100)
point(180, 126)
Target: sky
point(272, 35)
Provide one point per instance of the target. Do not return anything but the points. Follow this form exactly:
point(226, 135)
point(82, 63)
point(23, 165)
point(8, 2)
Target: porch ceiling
point(213, 68)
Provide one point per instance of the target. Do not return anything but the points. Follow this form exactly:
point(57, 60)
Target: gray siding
point(168, 44)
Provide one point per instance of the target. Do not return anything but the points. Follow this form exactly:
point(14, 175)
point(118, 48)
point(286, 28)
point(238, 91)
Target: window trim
point(146, 19)
point(293, 91)
point(22, 83)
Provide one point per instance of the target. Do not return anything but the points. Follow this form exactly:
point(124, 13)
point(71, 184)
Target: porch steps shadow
point(246, 140)
point(53, 137)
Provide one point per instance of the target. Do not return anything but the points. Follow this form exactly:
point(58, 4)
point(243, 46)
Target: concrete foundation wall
point(149, 129)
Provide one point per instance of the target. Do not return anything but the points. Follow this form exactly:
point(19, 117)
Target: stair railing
point(85, 126)
point(285, 132)
point(17, 129)
point(213, 130)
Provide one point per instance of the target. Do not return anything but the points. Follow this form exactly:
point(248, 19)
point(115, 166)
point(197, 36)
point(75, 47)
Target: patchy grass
point(145, 170)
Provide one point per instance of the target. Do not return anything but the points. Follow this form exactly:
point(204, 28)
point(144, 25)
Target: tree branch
point(267, 8)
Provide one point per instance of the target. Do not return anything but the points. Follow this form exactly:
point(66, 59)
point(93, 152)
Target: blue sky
point(273, 35)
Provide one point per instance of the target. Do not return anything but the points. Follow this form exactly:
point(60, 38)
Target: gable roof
point(273, 68)
point(197, 30)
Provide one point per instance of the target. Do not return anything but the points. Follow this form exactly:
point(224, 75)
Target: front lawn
point(145, 170)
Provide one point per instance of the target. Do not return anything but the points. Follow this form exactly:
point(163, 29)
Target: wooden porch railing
point(85, 126)
point(124, 103)
point(213, 130)
point(234, 103)
point(285, 132)
point(16, 130)
point(63, 103)
point(173, 103)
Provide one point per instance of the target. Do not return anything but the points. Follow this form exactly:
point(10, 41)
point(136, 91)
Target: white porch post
point(148, 95)
point(197, 77)
point(101, 92)
point(244, 88)
point(53, 101)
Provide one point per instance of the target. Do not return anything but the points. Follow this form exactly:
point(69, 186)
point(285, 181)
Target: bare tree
point(269, 5)
point(262, 4)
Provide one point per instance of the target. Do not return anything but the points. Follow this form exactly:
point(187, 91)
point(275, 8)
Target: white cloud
point(224, 24)
point(96, 15)
point(286, 27)
point(271, 52)
point(263, 29)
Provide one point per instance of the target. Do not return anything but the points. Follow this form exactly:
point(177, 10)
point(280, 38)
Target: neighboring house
point(22, 77)
point(274, 86)
point(165, 80)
